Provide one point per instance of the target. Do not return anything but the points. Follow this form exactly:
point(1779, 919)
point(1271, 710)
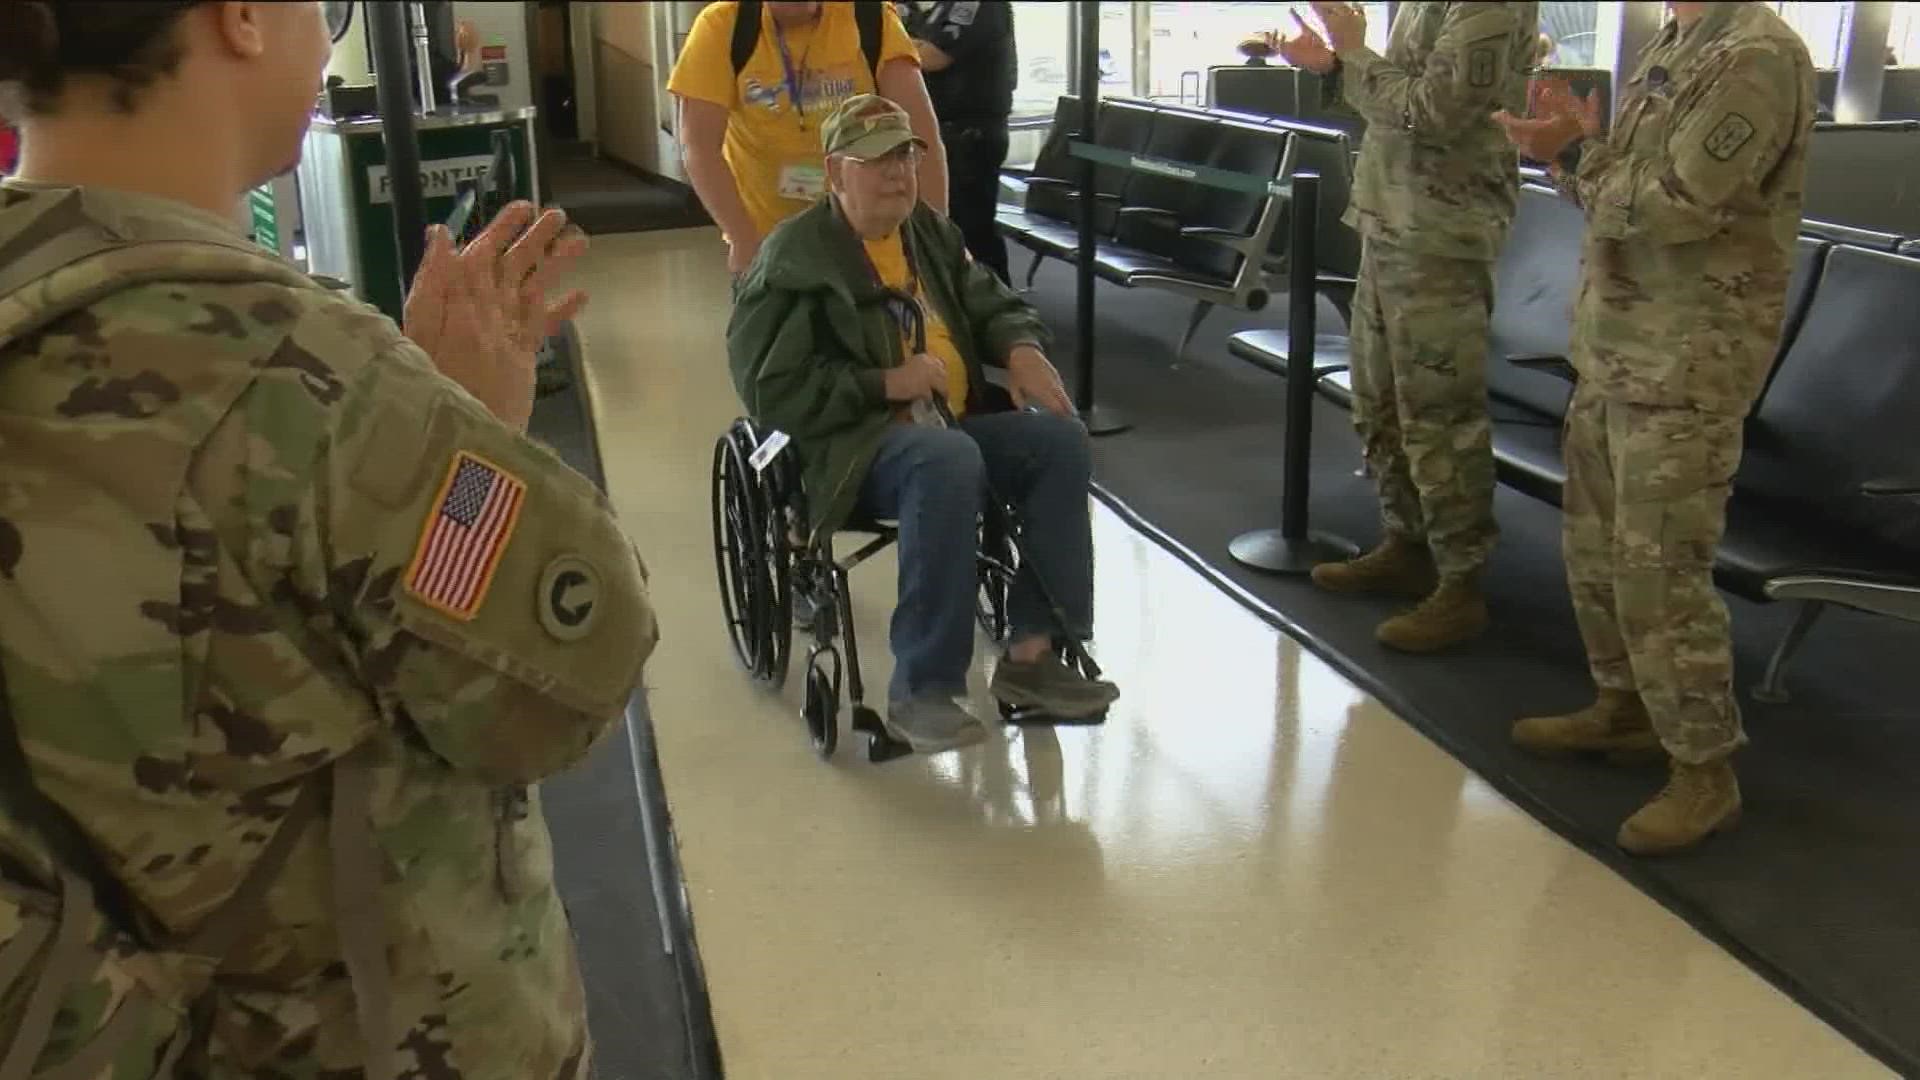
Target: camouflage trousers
point(1419, 347)
point(1645, 503)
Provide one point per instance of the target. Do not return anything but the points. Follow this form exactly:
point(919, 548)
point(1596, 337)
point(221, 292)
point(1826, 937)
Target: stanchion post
point(1099, 421)
point(387, 23)
point(1294, 548)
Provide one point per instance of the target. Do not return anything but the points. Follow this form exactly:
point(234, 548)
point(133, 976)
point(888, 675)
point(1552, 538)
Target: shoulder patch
point(1728, 136)
point(964, 12)
point(1483, 66)
point(465, 535)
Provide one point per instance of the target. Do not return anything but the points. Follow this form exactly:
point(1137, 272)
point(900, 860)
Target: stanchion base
point(1102, 420)
point(1267, 549)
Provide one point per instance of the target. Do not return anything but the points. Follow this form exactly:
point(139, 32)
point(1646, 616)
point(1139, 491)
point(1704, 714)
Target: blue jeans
point(934, 482)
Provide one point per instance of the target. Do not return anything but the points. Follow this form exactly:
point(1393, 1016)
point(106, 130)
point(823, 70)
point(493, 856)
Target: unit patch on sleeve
point(1729, 135)
point(464, 537)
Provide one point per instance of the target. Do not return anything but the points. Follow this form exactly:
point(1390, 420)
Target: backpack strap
point(746, 34)
point(867, 14)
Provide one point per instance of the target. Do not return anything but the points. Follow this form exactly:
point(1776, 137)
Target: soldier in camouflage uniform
point(292, 614)
point(1433, 200)
point(1693, 201)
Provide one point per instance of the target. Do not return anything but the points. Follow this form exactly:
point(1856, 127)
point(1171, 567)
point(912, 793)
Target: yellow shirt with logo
point(773, 147)
point(889, 257)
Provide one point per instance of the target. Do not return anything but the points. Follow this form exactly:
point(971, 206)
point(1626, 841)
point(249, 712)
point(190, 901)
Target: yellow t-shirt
point(772, 147)
point(890, 259)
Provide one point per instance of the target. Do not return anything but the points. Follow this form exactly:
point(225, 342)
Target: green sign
point(266, 217)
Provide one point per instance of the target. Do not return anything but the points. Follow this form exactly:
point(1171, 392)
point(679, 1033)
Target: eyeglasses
point(906, 155)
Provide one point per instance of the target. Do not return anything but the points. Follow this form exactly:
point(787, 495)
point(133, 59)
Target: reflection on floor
point(1251, 871)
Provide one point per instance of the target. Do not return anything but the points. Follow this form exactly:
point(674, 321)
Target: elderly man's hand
point(1032, 380)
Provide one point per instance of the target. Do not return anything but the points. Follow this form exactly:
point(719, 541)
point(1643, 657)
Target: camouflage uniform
point(1433, 199)
point(285, 606)
point(1693, 202)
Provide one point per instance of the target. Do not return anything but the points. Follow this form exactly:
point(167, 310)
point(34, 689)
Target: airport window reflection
point(1190, 36)
point(1903, 36)
point(1572, 29)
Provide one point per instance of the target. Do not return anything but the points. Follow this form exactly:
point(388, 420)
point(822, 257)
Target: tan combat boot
point(1697, 802)
point(1456, 612)
point(1616, 725)
point(1398, 567)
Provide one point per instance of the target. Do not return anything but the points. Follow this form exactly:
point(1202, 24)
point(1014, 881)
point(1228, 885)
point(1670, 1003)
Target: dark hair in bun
point(43, 42)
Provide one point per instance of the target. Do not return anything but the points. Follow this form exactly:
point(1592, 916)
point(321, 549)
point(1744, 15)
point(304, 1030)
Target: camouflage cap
point(866, 126)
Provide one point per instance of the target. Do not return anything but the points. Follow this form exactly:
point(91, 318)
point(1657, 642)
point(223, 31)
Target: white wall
point(500, 23)
point(503, 23)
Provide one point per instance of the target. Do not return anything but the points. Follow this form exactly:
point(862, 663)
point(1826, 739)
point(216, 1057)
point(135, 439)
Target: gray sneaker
point(1050, 686)
point(931, 724)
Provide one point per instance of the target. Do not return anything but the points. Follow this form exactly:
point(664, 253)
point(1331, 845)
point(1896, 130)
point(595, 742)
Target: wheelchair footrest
point(1025, 716)
point(881, 747)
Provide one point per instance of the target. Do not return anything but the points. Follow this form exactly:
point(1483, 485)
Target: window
point(1903, 37)
point(1042, 37)
point(1574, 29)
point(1820, 24)
point(1190, 36)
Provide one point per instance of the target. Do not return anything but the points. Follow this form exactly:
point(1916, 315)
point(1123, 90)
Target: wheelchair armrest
point(1892, 488)
point(1546, 364)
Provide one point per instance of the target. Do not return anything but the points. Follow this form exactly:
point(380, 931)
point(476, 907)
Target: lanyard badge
point(795, 91)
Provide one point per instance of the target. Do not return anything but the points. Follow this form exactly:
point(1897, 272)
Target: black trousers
point(976, 150)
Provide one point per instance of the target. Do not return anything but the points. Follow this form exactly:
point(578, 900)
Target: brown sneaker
point(1616, 725)
point(1398, 567)
point(1698, 801)
point(1456, 612)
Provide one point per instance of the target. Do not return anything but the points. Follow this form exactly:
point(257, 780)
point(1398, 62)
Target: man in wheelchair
point(861, 330)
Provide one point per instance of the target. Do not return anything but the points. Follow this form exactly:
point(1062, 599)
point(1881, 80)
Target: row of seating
point(1160, 228)
point(1824, 508)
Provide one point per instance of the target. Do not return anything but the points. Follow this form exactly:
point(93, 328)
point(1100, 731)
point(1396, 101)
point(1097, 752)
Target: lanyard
point(793, 74)
point(903, 304)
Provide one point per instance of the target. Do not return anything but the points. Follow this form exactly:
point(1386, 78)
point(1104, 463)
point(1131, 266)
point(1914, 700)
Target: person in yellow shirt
point(751, 135)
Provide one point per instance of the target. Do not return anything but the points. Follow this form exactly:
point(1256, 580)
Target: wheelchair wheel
point(998, 563)
point(742, 559)
point(822, 710)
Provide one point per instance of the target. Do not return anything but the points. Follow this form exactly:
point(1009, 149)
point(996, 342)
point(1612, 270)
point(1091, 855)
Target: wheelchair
point(764, 561)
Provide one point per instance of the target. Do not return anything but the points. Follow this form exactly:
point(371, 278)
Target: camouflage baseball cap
point(865, 127)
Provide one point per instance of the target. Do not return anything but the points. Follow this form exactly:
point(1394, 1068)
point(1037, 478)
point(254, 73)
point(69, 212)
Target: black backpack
point(866, 13)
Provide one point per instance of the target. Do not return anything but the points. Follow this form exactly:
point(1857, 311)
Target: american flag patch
point(463, 540)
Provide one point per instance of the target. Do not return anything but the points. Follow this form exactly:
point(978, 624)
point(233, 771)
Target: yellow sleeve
point(704, 71)
point(894, 42)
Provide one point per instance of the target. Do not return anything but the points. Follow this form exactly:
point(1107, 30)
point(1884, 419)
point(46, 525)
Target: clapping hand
point(1306, 49)
point(1346, 24)
point(481, 312)
point(1564, 118)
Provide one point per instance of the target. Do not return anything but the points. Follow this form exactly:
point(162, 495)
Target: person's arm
point(703, 135)
point(1722, 141)
point(899, 80)
point(704, 84)
point(1460, 83)
point(786, 375)
point(492, 607)
point(970, 28)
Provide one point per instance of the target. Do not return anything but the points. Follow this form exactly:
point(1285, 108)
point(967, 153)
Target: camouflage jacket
point(1436, 174)
point(1693, 201)
point(260, 558)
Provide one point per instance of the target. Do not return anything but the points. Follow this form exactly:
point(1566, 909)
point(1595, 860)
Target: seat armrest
point(1548, 364)
point(1020, 171)
point(1892, 488)
point(1148, 212)
point(1337, 281)
point(1895, 596)
point(1210, 232)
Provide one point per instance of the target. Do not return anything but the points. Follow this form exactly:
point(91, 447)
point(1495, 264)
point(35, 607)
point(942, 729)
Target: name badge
point(804, 182)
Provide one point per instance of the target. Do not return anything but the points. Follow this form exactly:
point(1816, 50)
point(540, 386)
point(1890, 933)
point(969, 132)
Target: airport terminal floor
point(1252, 870)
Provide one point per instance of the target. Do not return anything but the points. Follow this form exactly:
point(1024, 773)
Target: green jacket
point(810, 341)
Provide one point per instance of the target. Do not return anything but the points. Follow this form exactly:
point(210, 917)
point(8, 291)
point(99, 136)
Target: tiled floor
point(1252, 871)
